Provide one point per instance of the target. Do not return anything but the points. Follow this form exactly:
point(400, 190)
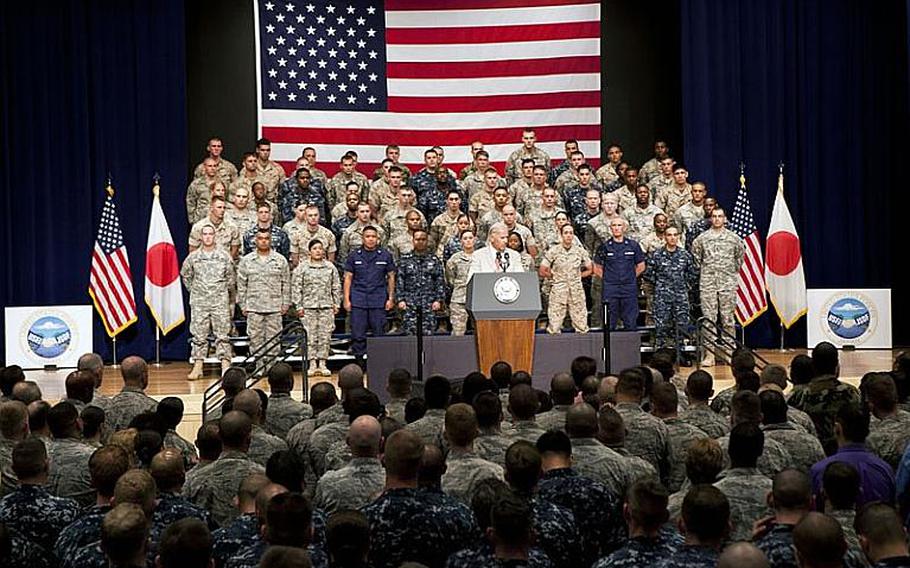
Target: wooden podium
point(505, 306)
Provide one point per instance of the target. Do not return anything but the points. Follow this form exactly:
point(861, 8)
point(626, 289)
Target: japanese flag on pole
point(784, 274)
point(163, 291)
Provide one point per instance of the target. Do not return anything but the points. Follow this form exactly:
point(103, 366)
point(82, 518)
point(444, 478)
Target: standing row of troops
point(268, 243)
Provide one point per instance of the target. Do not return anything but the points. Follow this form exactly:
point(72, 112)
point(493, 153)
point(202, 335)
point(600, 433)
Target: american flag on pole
point(751, 299)
point(361, 74)
point(110, 282)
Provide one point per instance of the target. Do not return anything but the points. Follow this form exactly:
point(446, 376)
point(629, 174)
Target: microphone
point(505, 262)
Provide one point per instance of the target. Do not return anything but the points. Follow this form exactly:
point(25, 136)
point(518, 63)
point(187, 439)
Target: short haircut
point(647, 499)
point(61, 419)
point(801, 369)
point(523, 402)
point(488, 409)
point(474, 383)
point(747, 442)
point(631, 382)
point(263, 142)
point(521, 378)
point(704, 460)
point(29, 458)
point(774, 374)
point(289, 519)
point(706, 512)
point(9, 376)
point(347, 537)
point(136, 486)
point(664, 398)
point(791, 490)
point(825, 359)
point(185, 543)
point(281, 377)
point(773, 407)
point(285, 557)
point(554, 441)
point(742, 360)
point(748, 380)
point(841, 484)
point(323, 396)
point(854, 422)
point(881, 525)
point(699, 385)
point(170, 410)
point(37, 415)
point(124, 530)
point(880, 390)
point(403, 451)
point(13, 416)
point(399, 383)
point(106, 466)
point(208, 440)
point(460, 424)
point(582, 367)
point(819, 538)
point(233, 381)
point(523, 466)
point(486, 493)
point(610, 424)
point(563, 389)
point(80, 386)
point(361, 402)
point(414, 409)
point(437, 391)
point(167, 469)
point(501, 374)
point(92, 421)
point(581, 421)
point(511, 519)
point(236, 427)
point(745, 406)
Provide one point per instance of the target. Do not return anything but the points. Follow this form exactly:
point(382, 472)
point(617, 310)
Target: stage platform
point(169, 379)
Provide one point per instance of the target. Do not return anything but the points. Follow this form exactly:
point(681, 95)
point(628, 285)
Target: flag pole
point(110, 191)
point(780, 188)
point(742, 186)
point(156, 190)
point(115, 365)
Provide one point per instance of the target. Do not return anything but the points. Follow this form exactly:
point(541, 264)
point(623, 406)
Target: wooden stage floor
point(170, 379)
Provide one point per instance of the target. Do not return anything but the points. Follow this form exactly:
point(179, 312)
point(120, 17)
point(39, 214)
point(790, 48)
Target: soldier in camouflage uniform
point(352, 238)
point(227, 236)
point(248, 175)
point(805, 450)
point(705, 524)
point(309, 154)
point(528, 150)
point(305, 233)
point(199, 192)
point(482, 200)
point(651, 168)
point(384, 192)
point(69, 456)
point(566, 264)
point(362, 479)
point(219, 486)
point(698, 390)
point(280, 241)
point(464, 468)
point(647, 437)
point(609, 171)
point(672, 197)
point(457, 269)
point(542, 220)
point(692, 211)
point(225, 169)
point(575, 193)
point(168, 472)
point(569, 175)
point(672, 271)
point(403, 242)
point(888, 435)
point(597, 509)
point(263, 293)
point(283, 412)
point(420, 284)
point(394, 220)
point(239, 212)
point(443, 226)
point(316, 293)
point(208, 274)
point(131, 401)
point(431, 199)
point(591, 458)
point(412, 524)
point(719, 254)
point(304, 191)
point(491, 444)
point(680, 434)
point(243, 530)
point(661, 179)
point(641, 215)
point(473, 181)
point(336, 188)
point(339, 224)
point(30, 509)
point(744, 485)
point(494, 214)
point(591, 209)
point(570, 147)
point(270, 172)
point(791, 499)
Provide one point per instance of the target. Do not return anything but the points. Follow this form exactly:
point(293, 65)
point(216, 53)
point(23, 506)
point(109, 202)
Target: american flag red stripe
point(751, 298)
point(452, 71)
point(110, 279)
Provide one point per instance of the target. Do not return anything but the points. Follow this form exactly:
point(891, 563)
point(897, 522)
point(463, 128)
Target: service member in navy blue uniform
point(620, 261)
point(369, 289)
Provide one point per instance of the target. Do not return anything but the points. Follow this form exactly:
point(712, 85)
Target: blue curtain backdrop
point(89, 87)
point(822, 86)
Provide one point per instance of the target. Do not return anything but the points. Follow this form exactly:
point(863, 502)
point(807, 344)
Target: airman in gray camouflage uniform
point(457, 269)
point(362, 479)
point(352, 237)
point(131, 401)
point(208, 274)
point(804, 449)
point(263, 293)
point(316, 293)
point(68, 457)
point(699, 414)
point(283, 412)
point(646, 436)
point(464, 468)
point(719, 254)
point(889, 434)
point(590, 457)
point(566, 264)
point(680, 434)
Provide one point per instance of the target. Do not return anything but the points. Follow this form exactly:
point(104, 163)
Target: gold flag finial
point(742, 175)
point(780, 177)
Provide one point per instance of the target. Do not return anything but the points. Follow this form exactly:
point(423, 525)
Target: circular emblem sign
point(506, 289)
point(849, 318)
point(49, 337)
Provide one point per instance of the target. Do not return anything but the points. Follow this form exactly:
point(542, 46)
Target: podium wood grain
point(505, 340)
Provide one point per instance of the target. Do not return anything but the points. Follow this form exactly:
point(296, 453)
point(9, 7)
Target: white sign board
point(47, 335)
point(857, 318)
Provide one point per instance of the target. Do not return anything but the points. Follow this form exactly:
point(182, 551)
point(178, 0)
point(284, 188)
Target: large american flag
point(751, 299)
point(361, 74)
point(110, 281)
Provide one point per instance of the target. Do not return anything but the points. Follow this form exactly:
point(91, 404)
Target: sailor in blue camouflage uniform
point(597, 509)
point(571, 147)
point(302, 188)
point(706, 524)
point(432, 192)
point(557, 533)
point(408, 523)
point(81, 532)
point(281, 242)
point(341, 223)
point(420, 284)
point(30, 510)
point(650, 540)
point(167, 470)
point(673, 272)
point(22, 553)
point(701, 225)
point(228, 541)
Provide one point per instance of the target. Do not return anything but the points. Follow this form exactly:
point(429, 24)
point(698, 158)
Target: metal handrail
point(291, 339)
point(718, 349)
